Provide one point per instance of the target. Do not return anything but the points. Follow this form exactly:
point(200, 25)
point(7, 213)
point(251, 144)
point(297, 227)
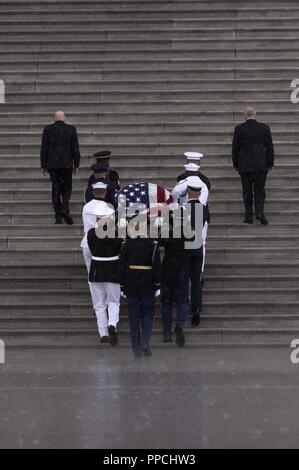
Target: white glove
point(159, 222)
point(157, 293)
point(123, 295)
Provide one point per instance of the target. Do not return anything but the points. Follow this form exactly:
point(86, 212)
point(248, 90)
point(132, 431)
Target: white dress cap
point(195, 156)
point(99, 185)
point(103, 210)
point(192, 167)
point(195, 182)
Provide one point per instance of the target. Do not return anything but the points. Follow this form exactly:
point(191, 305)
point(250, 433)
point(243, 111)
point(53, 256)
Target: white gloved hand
point(158, 292)
point(123, 295)
point(159, 222)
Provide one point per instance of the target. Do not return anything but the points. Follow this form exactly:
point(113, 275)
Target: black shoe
point(113, 340)
point(104, 340)
point(262, 219)
point(58, 219)
point(180, 337)
point(138, 355)
point(67, 218)
point(248, 220)
point(147, 351)
point(167, 339)
point(195, 320)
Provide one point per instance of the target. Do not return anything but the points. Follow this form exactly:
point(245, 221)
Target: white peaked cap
point(191, 167)
point(103, 210)
point(195, 183)
point(195, 156)
point(99, 185)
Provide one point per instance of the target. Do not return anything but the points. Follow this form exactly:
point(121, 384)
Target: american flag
point(142, 195)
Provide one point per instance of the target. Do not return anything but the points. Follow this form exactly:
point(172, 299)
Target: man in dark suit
point(253, 157)
point(60, 158)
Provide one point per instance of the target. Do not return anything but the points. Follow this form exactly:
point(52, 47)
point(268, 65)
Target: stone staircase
point(150, 80)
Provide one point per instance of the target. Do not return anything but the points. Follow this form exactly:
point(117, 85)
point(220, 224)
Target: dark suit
point(59, 155)
point(253, 155)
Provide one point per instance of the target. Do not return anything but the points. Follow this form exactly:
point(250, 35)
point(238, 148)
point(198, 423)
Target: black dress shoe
point(104, 340)
point(147, 351)
point(167, 339)
point(248, 220)
point(113, 340)
point(180, 337)
point(262, 219)
point(67, 218)
point(195, 320)
point(58, 219)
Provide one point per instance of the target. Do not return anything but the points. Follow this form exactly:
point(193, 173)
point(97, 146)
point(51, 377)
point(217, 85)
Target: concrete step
point(74, 73)
point(124, 42)
point(35, 62)
point(151, 10)
point(233, 182)
point(134, 172)
point(47, 242)
point(165, 30)
point(208, 137)
point(252, 268)
point(74, 296)
point(153, 147)
point(11, 165)
point(159, 53)
point(251, 282)
point(74, 271)
point(115, 96)
point(216, 195)
point(148, 126)
point(216, 206)
point(220, 230)
point(224, 120)
point(40, 231)
point(112, 36)
point(226, 254)
point(65, 281)
point(135, 20)
point(241, 241)
point(155, 106)
point(89, 324)
point(218, 7)
point(199, 337)
point(241, 229)
point(64, 309)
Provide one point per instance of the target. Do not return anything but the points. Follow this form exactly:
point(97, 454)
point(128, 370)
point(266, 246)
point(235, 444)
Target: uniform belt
point(141, 268)
point(112, 258)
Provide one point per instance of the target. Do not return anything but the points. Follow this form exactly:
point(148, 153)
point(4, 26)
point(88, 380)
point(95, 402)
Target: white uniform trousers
point(87, 260)
point(106, 296)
